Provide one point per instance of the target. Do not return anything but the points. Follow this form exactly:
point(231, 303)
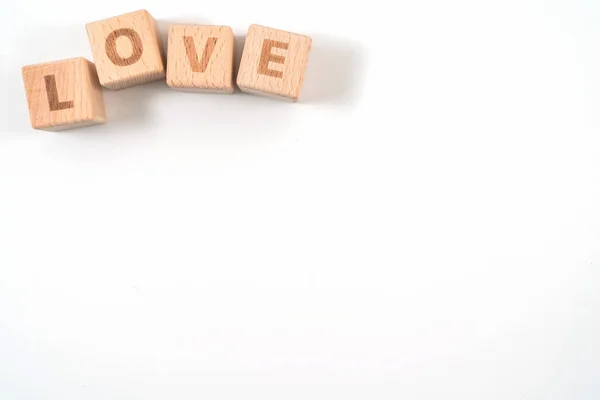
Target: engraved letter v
point(190, 49)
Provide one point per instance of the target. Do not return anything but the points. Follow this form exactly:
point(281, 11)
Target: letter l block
point(127, 50)
point(273, 63)
point(63, 94)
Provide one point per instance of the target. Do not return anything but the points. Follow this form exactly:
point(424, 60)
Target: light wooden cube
point(63, 94)
point(126, 50)
point(200, 58)
point(273, 63)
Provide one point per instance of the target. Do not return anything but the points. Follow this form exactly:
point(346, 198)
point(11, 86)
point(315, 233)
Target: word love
point(127, 51)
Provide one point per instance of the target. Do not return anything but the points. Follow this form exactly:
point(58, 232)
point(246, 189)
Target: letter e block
point(63, 94)
point(126, 50)
point(273, 63)
point(200, 58)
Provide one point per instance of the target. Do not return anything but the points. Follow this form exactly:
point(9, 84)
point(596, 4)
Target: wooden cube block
point(200, 58)
point(126, 50)
point(273, 63)
point(63, 94)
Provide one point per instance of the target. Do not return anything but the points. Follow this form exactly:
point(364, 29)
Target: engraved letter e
point(266, 56)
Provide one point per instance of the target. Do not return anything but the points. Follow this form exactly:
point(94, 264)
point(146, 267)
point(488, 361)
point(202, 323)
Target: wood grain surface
point(200, 58)
point(273, 63)
point(126, 50)
point(63, 94)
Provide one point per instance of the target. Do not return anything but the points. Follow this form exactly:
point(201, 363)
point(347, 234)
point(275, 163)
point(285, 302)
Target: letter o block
point(200, 58)
point(126, 50)
point(273, 63)
point(63, 94)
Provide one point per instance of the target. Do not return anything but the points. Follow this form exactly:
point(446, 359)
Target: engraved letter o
point(136, 45)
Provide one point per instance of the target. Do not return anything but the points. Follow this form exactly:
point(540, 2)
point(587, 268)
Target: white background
point(424, 224)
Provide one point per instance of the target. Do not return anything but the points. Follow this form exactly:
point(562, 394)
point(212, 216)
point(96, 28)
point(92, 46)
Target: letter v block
point(273, 63)
point(126, 50)
point(200, 58)
point(63, 94)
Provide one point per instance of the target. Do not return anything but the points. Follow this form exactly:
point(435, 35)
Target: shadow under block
point(200, 58)
point(63, 94)
point(126, 50)
point(273, 63)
